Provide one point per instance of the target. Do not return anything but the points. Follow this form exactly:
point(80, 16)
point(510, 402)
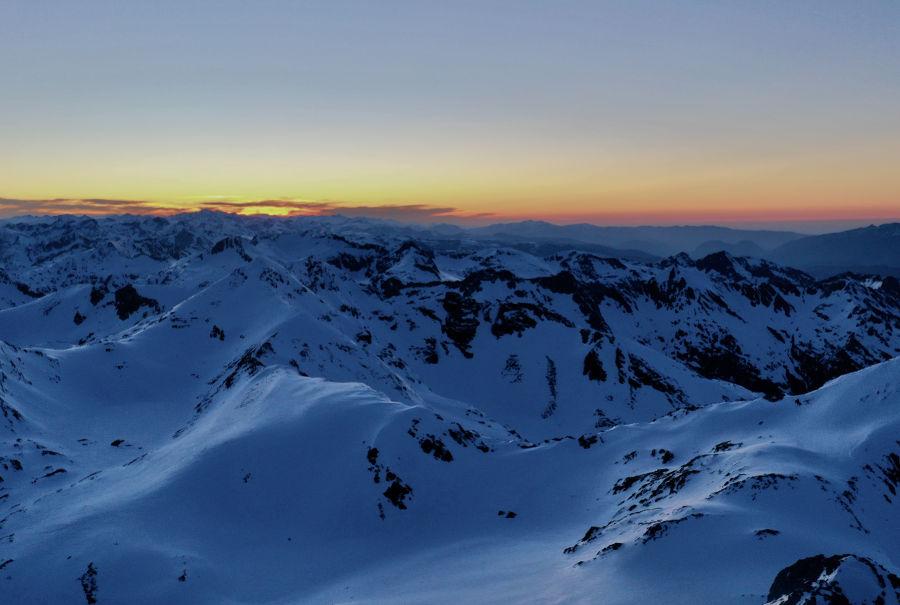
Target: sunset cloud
point(278, 207)
point(95, 206)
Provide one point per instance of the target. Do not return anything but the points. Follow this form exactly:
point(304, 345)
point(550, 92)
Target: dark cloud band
point(100, 206)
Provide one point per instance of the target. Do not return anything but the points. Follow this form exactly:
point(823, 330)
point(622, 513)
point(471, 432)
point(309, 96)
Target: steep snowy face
point(555, 345)
point(208, 408)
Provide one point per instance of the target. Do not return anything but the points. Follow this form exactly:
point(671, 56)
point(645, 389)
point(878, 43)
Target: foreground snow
point(265, 426)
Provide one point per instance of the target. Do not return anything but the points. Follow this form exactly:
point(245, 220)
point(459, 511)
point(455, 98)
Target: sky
point(760, 112)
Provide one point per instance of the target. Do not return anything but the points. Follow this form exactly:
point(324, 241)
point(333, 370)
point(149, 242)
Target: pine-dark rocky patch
point(512, 370)
point(643, 375)
point(88, 582)
point(722, 359)
point(517, 317)
point(461, 321)
point(815, 368)
point(97, 294)
point(27, 291)
point(658, 529)
point(755, 483)
point(435, 447)
point(726, 446)
point(586, 441)
point(9, 412)
point(128, 301)
point(657, 484)
point(428, 353)
point(593, 367)
point(397, 491)
point(890, 473)
point(602, 421)
point(372, 455)
point(665, 455)
point(766, 533)
point(588, 297)
point(52, 473)
point(231, 243)
point(466, 437)
point(551, 378)
point(814, 580)
point(249, 363)
point(592, 533)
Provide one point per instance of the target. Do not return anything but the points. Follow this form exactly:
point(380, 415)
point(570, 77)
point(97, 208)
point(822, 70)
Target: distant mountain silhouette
point(742, 248)
point(658, 241)
point(873, 249)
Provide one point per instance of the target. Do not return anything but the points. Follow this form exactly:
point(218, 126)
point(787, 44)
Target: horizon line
point(353, 212)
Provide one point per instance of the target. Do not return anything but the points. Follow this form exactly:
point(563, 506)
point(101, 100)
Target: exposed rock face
point(834, 580)
point(461, 321)
point(231, 243)
point(128, 301)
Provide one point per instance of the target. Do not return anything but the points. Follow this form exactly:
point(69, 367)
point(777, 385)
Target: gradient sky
point(623, 112)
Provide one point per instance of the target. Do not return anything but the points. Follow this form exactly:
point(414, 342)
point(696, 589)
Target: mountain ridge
point(377, 418)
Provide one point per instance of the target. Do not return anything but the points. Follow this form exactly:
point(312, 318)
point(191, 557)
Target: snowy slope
point(325, 410)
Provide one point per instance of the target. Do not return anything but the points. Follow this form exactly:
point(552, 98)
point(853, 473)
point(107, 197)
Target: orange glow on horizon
point(428, 213)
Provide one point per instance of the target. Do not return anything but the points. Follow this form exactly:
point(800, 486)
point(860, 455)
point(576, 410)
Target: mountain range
point(208, 408)
point(873, 249)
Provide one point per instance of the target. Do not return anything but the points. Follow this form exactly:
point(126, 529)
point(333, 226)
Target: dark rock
point(435, 447)
point(231, 243)
point(97, 294)
point(817, 580)
point(397, 491)
point(586, 441)
point(461, 321)
point(129, 301)
point(24, 289)
point(592, 533)
point(551, 387)
point(89, 583)
point(593, 367)
point(658, 529)
point(517, 317)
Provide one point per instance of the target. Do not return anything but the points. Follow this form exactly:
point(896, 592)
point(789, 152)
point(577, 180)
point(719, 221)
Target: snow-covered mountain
point(210, 408)
point(873, 249)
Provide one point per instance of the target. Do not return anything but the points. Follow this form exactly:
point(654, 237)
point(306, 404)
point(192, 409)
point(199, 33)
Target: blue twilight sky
point(632, 111)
